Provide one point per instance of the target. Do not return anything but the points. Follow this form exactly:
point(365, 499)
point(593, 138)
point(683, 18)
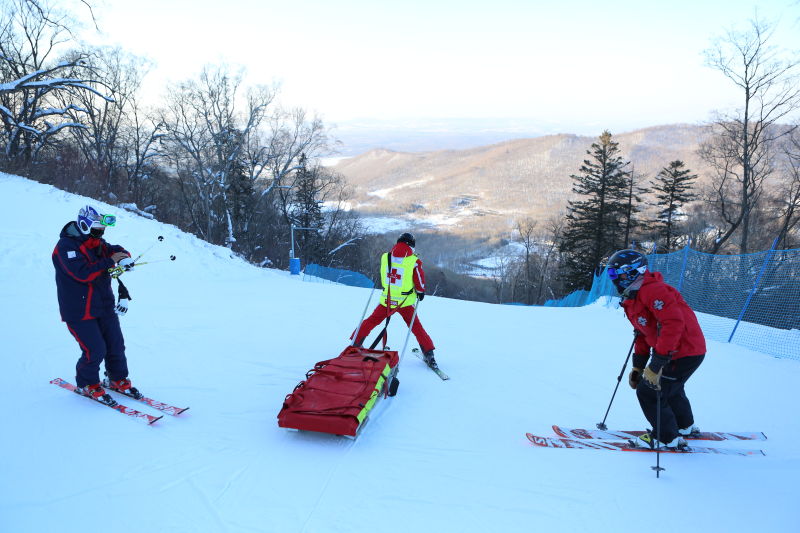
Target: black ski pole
point(602, 425)
point(658, 468)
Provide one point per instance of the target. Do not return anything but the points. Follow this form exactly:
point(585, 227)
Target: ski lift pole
point(294, 262)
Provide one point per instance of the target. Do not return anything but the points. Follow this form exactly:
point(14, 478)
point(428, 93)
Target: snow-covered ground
point(231, 340)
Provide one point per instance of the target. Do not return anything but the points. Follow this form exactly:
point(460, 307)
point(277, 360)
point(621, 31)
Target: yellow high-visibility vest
point(398, 281)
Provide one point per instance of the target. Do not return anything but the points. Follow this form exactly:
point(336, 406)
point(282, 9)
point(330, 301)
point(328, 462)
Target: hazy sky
point(576, 65)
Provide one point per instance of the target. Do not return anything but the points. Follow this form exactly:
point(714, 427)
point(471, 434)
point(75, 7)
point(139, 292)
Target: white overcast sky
point(581, 64)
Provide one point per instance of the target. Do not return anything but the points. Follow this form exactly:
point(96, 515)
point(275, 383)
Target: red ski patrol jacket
point(664, 320)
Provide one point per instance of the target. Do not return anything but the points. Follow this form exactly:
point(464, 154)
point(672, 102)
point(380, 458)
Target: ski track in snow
point(230, 340)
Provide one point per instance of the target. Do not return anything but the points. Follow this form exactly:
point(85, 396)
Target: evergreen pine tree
point(596, 223)
point(673, 189)
point(632, 200)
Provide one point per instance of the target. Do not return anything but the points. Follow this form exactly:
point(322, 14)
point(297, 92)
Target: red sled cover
point(339, 393)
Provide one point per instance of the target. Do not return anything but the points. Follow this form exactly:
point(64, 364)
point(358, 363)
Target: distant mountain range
point(487, 188)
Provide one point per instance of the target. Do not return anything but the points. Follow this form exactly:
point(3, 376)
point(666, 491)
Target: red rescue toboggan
point(338, 394)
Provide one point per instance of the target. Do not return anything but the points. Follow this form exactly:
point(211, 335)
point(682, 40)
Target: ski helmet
point(408, 239)
point(625, 267)
point(90, 221)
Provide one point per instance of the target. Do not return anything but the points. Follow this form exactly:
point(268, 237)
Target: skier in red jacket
point(664, 324)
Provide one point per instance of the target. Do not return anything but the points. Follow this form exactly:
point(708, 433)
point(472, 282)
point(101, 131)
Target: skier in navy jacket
point(82, 259)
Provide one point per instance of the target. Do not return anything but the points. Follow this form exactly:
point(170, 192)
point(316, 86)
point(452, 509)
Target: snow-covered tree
point(210, 125)
point(39, 78)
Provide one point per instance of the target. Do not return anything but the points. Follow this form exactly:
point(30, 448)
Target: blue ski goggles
point(614, 273)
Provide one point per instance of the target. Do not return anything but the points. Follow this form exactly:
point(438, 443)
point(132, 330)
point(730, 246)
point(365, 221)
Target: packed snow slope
point(231, 340)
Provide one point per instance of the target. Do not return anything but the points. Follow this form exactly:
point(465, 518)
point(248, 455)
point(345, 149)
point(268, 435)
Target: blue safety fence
point(321, 274)
point(752, 300)
point(601, 286)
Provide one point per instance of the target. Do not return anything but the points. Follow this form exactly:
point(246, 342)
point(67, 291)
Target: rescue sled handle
point(358, 326)
point(410, 325)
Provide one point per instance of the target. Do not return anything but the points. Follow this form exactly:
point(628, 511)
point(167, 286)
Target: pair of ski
point(625, 441)
point(133, 413)
point(436, 369)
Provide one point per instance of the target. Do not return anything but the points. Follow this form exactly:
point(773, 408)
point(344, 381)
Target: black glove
point(421, 296)
point(635, 377)
point(652, 374)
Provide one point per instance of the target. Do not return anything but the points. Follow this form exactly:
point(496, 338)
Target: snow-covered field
point(231, 340)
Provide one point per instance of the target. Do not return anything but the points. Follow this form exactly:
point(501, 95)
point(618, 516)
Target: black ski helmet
point(629, 262)
point(408, 239)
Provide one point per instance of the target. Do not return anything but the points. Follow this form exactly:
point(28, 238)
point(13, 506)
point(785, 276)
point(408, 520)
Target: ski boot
point(123, 386)
point(96, 392)
point(648, 440)
point(689, 432)
point(429, 359)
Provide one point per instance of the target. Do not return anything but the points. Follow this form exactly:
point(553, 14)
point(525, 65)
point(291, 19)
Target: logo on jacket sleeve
point(658, 304)
point(642, 321)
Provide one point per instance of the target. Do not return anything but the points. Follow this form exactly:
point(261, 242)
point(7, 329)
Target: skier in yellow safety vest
point(403, 283)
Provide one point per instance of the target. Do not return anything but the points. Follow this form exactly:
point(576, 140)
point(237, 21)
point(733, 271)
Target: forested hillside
point(494, 186)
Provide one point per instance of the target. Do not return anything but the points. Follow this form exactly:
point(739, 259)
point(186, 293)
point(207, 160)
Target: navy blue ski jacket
point(82, 278)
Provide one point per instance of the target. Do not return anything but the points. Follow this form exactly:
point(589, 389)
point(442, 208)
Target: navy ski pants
point(676, 411)
point(100, 339)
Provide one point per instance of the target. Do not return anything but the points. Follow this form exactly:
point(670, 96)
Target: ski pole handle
point(116, 271)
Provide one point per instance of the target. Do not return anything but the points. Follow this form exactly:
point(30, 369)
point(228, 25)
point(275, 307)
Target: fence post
point(683, 267)
point(755, 286)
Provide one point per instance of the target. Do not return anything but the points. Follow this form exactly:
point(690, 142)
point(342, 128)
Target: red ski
point(572, 433)
point(118, 407)
point(161, 406)
point(622, 446)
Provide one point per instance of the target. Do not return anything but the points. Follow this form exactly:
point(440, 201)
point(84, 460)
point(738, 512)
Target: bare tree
point(743, 143)
point(788, 198)
point(119, 75)
point(32, 36)
point(141, 136)
point(549, 250)
point(502, 275)
point(526, 228)
point(208, 136)
point(292, 137)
